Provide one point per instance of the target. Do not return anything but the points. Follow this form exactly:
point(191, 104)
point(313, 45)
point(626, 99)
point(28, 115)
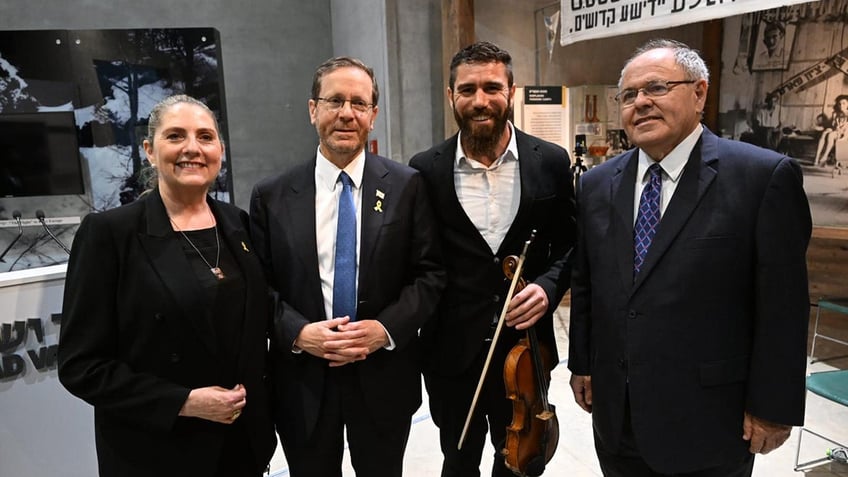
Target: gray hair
point(155, 119)
point(687, 58)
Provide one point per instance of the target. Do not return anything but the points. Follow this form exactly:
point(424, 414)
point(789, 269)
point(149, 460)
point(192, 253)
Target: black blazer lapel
point(697, 176)
point(172, 267)
point(299, 224)
point(235, 235)
point(622, 188)
point(529, 168)
point(453, 212)
point(375, 200)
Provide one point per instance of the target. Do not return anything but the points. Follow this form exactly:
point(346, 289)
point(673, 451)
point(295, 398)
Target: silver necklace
point(215, 270)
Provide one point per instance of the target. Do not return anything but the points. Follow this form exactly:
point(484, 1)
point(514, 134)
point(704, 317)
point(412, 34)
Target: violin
point(533, 434)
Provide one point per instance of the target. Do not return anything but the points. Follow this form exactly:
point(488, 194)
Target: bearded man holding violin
point(491, 186)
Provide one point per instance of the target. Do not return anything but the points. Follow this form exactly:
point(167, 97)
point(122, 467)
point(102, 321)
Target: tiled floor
point(575, 455)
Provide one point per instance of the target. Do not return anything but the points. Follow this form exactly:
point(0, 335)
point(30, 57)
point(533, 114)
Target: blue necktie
point(344, 281)
point(648, 218)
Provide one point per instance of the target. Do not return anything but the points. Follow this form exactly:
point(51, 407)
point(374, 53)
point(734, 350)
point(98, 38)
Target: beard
point(480, 139)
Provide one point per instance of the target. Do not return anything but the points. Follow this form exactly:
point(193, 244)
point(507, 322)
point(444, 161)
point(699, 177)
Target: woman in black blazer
point(164, 318)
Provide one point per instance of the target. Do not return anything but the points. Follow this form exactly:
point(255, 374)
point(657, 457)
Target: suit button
point(622, 363)
point(497, 260)
point(631, 314)
point(159, 317)
point(496, 298)
point(175, 358)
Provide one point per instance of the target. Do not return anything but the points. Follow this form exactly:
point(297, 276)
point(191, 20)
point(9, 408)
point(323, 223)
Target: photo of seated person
point(836, 130)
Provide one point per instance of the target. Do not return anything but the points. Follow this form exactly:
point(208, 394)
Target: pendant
point(217, 272)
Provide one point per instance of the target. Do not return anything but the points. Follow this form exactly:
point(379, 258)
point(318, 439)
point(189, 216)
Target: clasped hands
point(764, 436)
point(341, 341)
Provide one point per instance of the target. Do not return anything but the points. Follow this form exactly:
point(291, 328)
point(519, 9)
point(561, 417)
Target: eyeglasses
point(335, 104)
point(654, 89)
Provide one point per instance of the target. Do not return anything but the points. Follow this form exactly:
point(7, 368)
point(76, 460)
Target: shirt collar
point(675, 161)
point(327, 174)
point(511, 152)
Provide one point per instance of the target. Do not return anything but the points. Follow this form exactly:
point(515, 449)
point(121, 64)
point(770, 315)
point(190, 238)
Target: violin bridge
point(546, 415)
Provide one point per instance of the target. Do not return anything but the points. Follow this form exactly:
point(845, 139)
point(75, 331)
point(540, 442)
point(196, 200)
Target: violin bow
point(515, 279)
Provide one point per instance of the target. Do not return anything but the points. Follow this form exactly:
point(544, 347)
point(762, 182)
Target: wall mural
point(97, 87)
point(784, 86)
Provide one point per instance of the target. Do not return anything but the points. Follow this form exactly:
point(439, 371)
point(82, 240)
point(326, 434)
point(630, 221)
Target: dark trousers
point(450, 399)
point(376, 449)
point(626, 461)
point(236, 458)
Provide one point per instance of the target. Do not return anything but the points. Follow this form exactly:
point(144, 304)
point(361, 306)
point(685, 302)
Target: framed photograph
point(773, 45)
point(800, 111)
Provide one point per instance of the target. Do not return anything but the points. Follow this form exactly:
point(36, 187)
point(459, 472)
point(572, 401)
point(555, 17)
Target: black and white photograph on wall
point(773, 46)
point(784, 86)
point(74, 108)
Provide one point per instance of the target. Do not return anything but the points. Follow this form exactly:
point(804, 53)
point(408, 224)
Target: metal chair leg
point(815, 462)
point(815, 335)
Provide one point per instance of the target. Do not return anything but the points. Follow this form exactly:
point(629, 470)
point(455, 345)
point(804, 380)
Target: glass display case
point(595, 123)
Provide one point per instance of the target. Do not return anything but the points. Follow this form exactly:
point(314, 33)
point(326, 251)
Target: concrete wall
point(415, 57)
point(401, 40)
point(269, 51)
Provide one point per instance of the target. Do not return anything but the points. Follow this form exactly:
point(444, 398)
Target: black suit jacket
point(716, 322)
point(136, 338)
point(400, 277)
point(476, 283)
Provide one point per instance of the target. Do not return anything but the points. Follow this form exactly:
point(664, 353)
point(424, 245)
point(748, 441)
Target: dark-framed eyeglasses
point(654, 89)
point(335, 104)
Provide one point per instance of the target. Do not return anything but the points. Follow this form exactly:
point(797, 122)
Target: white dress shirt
point(328, 188)
point(489, 195)
point(672, 168)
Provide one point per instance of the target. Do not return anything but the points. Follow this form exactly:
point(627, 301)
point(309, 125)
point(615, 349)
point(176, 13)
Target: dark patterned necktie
point(344, 279)
point(648, 218)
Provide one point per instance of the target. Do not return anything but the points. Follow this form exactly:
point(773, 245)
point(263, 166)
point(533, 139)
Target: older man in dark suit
point(491, 186)
point(689, 296)
point(349, 243)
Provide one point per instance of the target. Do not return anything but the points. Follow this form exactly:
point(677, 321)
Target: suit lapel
point(697, 176)
point(443, 166)
point(622, 188)
point(299, 224)
point(172, 266)
point(235, 236)
point(376, 201)
point(529, 169)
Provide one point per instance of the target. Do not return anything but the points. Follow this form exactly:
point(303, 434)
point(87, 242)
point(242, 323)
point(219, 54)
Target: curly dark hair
point(836, 106)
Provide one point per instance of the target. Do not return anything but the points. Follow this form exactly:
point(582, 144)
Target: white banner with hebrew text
point(588, 19)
